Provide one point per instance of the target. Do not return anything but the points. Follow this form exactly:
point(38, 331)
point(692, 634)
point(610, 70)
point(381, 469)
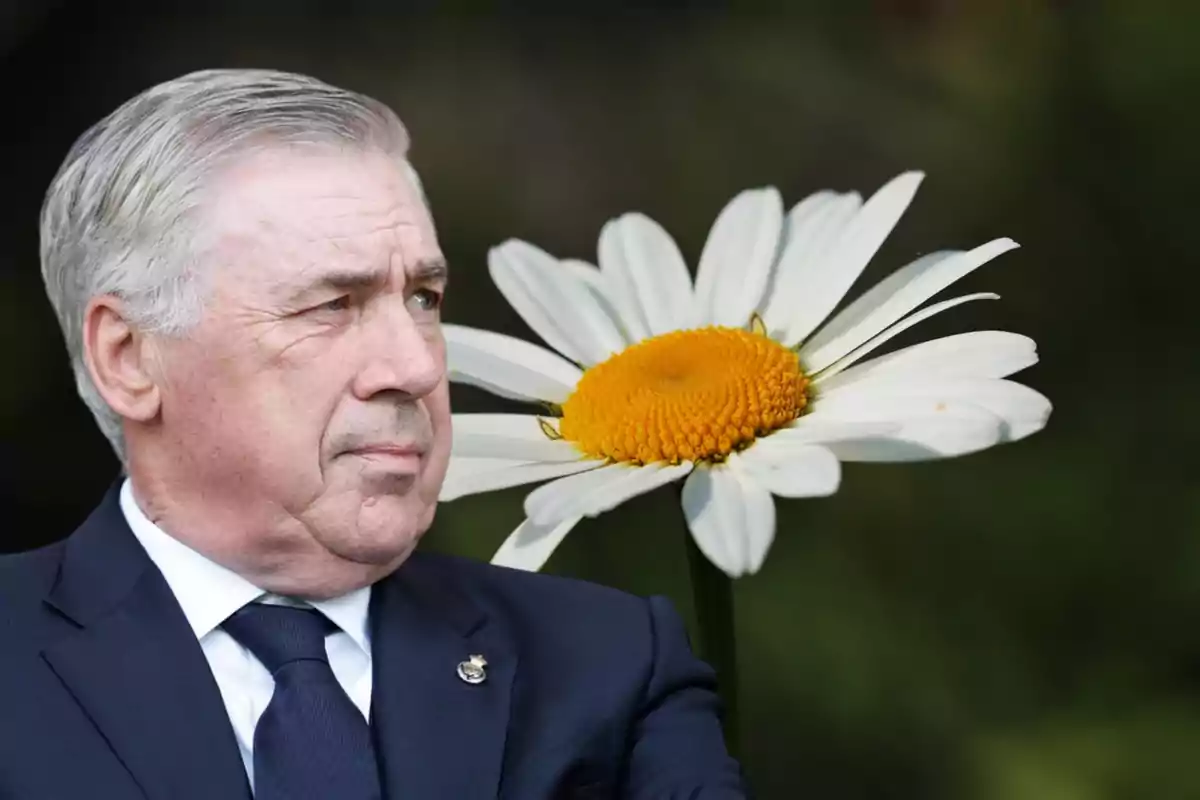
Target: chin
point(382, 554)
point(387, 529)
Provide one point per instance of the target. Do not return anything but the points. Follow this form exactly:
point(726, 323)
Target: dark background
point(1019, 624)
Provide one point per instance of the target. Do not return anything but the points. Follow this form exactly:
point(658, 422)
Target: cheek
point(198, 394)
point(291, 412)
point(438, 405)
point(211, 428)
point(273, 418)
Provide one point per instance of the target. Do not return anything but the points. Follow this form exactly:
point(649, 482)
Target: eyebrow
point(431, 270)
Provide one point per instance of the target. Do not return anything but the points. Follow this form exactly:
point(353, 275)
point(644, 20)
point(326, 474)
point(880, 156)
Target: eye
point(337, 304)
point(427, 299)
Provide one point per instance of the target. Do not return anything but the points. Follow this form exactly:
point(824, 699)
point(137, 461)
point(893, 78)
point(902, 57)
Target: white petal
point(604, 294)
point(1022, 410)
point(800, 215)
point(507, 366)
point(792, 470)
point(928, 427)
point(1025, 411)
point(731, 517)
point(912, 319)
point(976, 354)
point(883, 291)
point(466, 476)
point(892, 298)
point(827, 282)
point(472, 465)
point(554, 302)
point(526, 301)
point(592, 493)
point(710, 506)
point(813, 429)
point(597, 331)
point(758, 509)
point(586, 272)
point(530, 545)
point(626, 306)
point(642, 258)
point(736, 262)
point(523, 425)
point(510, 436)
point(811, 230)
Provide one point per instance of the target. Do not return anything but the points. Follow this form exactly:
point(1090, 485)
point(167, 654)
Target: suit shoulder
point(29, 575)
point(25, 580)
point(541, 595)
point(571, 633)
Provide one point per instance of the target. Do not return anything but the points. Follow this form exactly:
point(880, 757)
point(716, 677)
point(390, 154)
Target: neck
point(266, 546)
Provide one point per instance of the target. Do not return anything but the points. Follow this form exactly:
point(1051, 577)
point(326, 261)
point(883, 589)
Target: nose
point(399, 355)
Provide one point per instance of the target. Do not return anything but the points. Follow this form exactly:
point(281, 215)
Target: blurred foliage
point(1018, 624)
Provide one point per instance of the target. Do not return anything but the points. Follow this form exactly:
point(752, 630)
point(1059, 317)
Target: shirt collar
point(208, 592)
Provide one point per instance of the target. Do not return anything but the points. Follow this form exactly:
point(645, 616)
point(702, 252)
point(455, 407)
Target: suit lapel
point(137, 669)
point(437, 735)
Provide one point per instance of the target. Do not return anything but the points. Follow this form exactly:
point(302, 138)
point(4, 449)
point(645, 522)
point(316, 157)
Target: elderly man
point(249, 284)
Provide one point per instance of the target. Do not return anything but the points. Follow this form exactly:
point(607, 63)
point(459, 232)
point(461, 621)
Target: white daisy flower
point(732, 384)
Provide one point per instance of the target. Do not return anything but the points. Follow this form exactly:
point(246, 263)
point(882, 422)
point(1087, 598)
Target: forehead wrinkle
point(342, 233)
point(305, 235)
point(263, 212)
point(364, 267)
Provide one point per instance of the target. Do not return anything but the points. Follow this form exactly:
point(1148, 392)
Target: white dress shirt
point(209, 593)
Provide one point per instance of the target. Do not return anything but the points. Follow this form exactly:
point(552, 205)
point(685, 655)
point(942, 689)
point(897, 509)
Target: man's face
point(309, 410)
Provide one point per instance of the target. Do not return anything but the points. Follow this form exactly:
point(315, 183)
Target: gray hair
point(120, 217)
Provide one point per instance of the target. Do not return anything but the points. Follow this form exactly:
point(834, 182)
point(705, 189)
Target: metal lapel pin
point(474, 670)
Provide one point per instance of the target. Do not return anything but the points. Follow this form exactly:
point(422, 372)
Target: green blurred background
point(1019, 624)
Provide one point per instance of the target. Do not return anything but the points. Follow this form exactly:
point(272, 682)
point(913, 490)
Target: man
point(249, 285)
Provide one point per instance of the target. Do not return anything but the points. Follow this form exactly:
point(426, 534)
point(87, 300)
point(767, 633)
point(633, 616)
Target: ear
point(119, 359)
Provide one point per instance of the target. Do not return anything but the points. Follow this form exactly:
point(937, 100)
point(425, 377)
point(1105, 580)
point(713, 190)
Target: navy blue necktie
point(311, 742)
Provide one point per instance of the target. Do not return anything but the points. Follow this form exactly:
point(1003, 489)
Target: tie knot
point(279, 635)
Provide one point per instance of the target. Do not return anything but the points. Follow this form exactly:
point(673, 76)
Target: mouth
point(396, 457)
point(389, 449)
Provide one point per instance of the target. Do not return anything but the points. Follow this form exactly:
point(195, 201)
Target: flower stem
point(712, 595)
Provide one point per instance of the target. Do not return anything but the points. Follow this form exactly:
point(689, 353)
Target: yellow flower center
point(695, 395)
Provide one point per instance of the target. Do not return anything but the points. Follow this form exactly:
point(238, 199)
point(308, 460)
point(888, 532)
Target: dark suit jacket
point(106, 694)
